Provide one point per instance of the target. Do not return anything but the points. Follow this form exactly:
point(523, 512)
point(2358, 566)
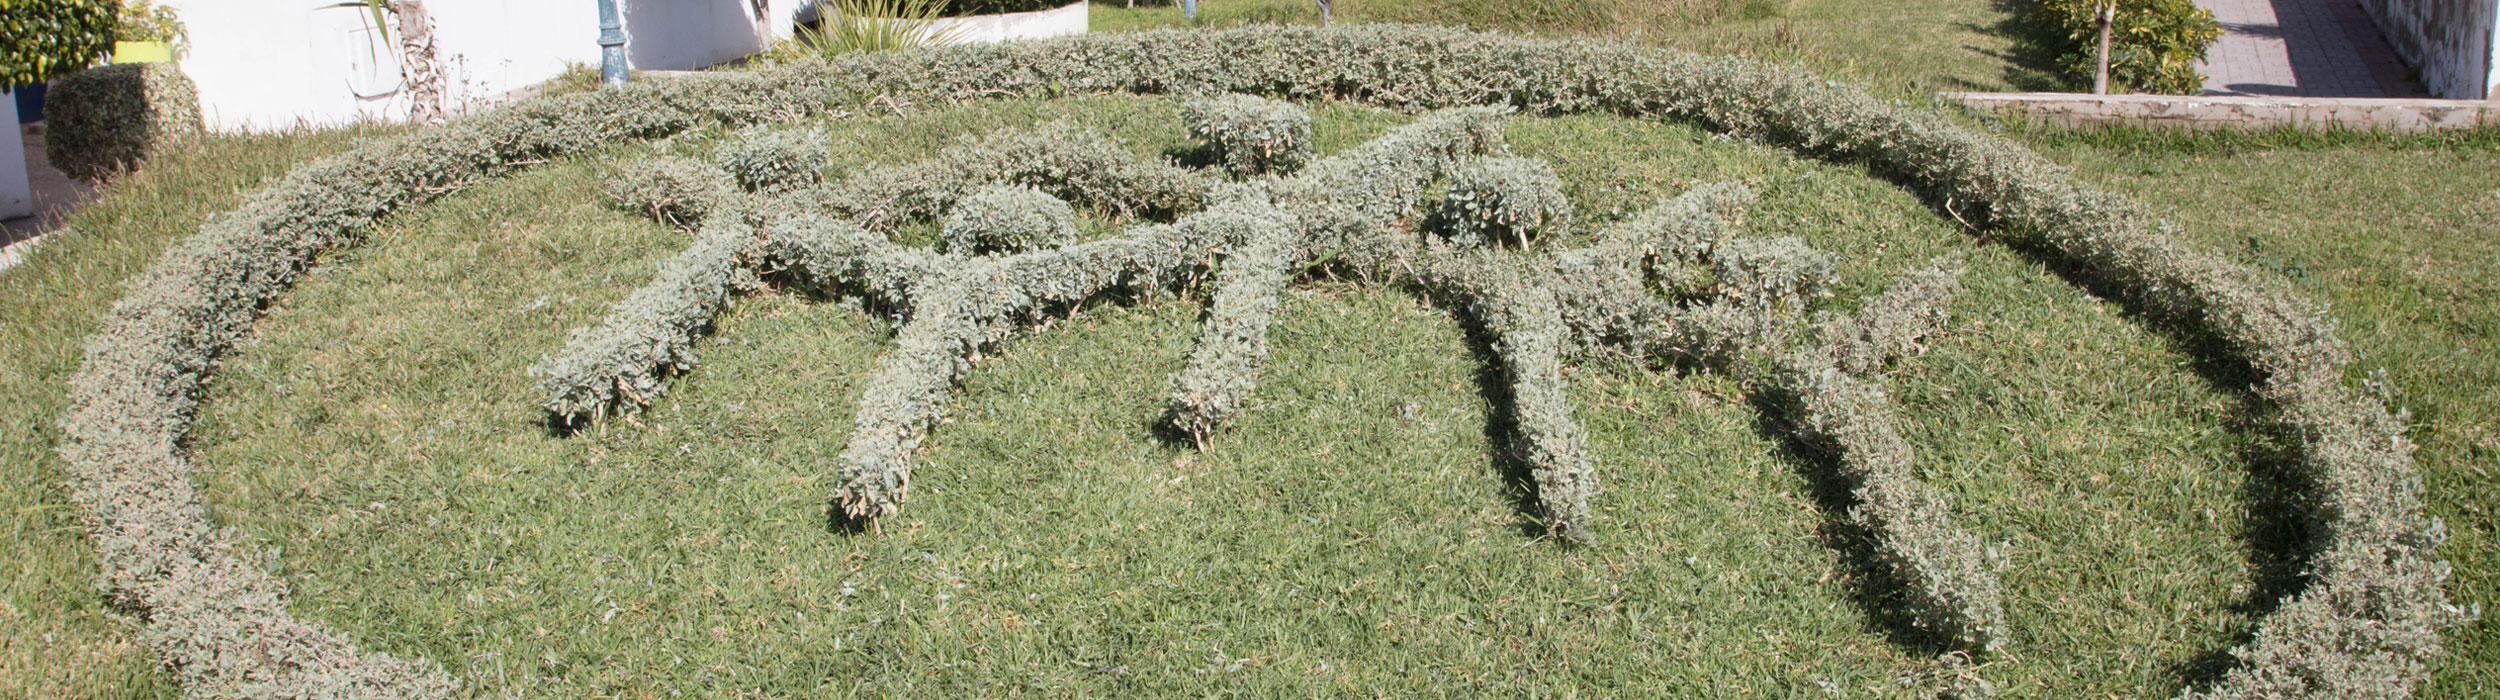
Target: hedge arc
point(2365, 624)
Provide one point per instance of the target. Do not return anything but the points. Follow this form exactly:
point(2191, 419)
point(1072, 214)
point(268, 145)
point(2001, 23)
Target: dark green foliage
point(764, 159)
point(2365, 624)
point(1252, 135)
point(2153, 44)
point(44, 40)
point(1007, 219)
point(1493, 201)
point(108, 118)
point(675, 190)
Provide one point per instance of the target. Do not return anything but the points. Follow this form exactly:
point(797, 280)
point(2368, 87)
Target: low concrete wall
point(2321, 113)
point(2451, 41)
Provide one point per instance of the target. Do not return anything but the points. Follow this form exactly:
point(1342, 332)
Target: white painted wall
point(272, 64)
point(2453, 42)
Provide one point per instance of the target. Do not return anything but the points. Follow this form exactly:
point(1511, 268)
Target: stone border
point(2236, 112)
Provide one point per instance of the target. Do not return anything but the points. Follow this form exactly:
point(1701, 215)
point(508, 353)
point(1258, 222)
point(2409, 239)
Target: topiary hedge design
point(2366, 623)
point(1252, 136)
point(109, 118)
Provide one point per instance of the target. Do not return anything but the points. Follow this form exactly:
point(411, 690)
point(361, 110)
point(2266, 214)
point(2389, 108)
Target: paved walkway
point(56, 196)
point(2301, 48)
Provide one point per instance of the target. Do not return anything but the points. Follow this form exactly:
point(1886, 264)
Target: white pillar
point(17, 196)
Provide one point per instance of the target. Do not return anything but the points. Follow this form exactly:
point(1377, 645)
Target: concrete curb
point(2403, 115)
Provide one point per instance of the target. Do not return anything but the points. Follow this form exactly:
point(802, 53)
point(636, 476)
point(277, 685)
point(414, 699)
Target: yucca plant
point(874, 25)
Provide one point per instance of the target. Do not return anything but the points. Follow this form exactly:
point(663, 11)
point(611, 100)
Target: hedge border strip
point(2365, 625)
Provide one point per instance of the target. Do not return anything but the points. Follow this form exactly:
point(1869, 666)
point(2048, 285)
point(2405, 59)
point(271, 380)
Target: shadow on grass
point(1871, 584)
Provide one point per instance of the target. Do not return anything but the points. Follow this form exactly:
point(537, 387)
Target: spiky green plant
point(874, 25)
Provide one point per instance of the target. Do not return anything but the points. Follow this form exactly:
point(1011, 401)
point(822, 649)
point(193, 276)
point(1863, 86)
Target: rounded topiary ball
point(1008, 219)
point(1252, 135)
point(1494, 200)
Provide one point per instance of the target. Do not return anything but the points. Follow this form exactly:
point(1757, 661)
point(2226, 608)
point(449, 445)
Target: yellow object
point(142, 52)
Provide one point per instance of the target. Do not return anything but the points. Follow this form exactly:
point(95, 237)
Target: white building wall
point(273, 64)
point(2451, 41)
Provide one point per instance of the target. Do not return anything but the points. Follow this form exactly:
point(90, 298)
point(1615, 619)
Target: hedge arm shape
point(1952, 580)
point(624, 362)
point(1068, 162)
point(907, 395)
point(1346, 199)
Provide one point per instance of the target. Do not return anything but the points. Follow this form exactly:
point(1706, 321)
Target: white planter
point(1038, 24)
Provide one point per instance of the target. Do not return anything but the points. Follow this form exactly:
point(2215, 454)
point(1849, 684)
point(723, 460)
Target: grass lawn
point(1899, 47)
point(380, 435)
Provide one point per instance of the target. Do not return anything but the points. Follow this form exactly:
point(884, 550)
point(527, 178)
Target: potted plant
point(146, 32)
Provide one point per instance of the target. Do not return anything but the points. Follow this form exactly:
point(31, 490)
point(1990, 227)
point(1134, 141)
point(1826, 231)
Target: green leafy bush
point(2154, 45)
point(110, 118)
point(1008, 219)
point(1496, 200)
point(1253, 136)
point(44, 40)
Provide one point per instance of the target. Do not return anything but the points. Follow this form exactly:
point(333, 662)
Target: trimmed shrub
point(1007, 219)
point(1341, 202)
point(677, 191)
point(1951, 580)
point(1223, 369)
point(2154, 45)
point(1059, 158)
point(1253, 136)
point(1525, 321)
point(766, 159)
point(1497, 200)
point(110, 118)
point(978, 305)
point(1771, 273)
point(2365, 625)
point(624, 363)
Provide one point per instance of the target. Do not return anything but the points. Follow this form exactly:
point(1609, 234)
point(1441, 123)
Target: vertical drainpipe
point(611, 45)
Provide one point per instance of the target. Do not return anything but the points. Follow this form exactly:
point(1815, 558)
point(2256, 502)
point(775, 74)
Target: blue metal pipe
point(611, 45)
point(1189, 9)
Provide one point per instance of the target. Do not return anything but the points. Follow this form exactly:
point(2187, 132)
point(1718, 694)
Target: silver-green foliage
point(1007, 219)
point(2366, 624)
point(1252, 135)
point(982, 302)
point(1493, 201)
point(217, 618)
point(1949, 579)
point(623, 363)
point(1059, 158)
point(1345, 200)
point(767, 159)
point(676, 190)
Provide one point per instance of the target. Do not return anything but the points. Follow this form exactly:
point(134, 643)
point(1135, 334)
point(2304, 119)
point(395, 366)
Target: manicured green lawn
point(1900, 47)
point(380, 436)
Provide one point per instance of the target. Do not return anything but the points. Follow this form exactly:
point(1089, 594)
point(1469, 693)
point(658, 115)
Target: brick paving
point(2300, 48)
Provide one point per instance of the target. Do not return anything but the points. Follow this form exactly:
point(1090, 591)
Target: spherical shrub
point(1492, 200)
point(675, 190)
point(1008, 219)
